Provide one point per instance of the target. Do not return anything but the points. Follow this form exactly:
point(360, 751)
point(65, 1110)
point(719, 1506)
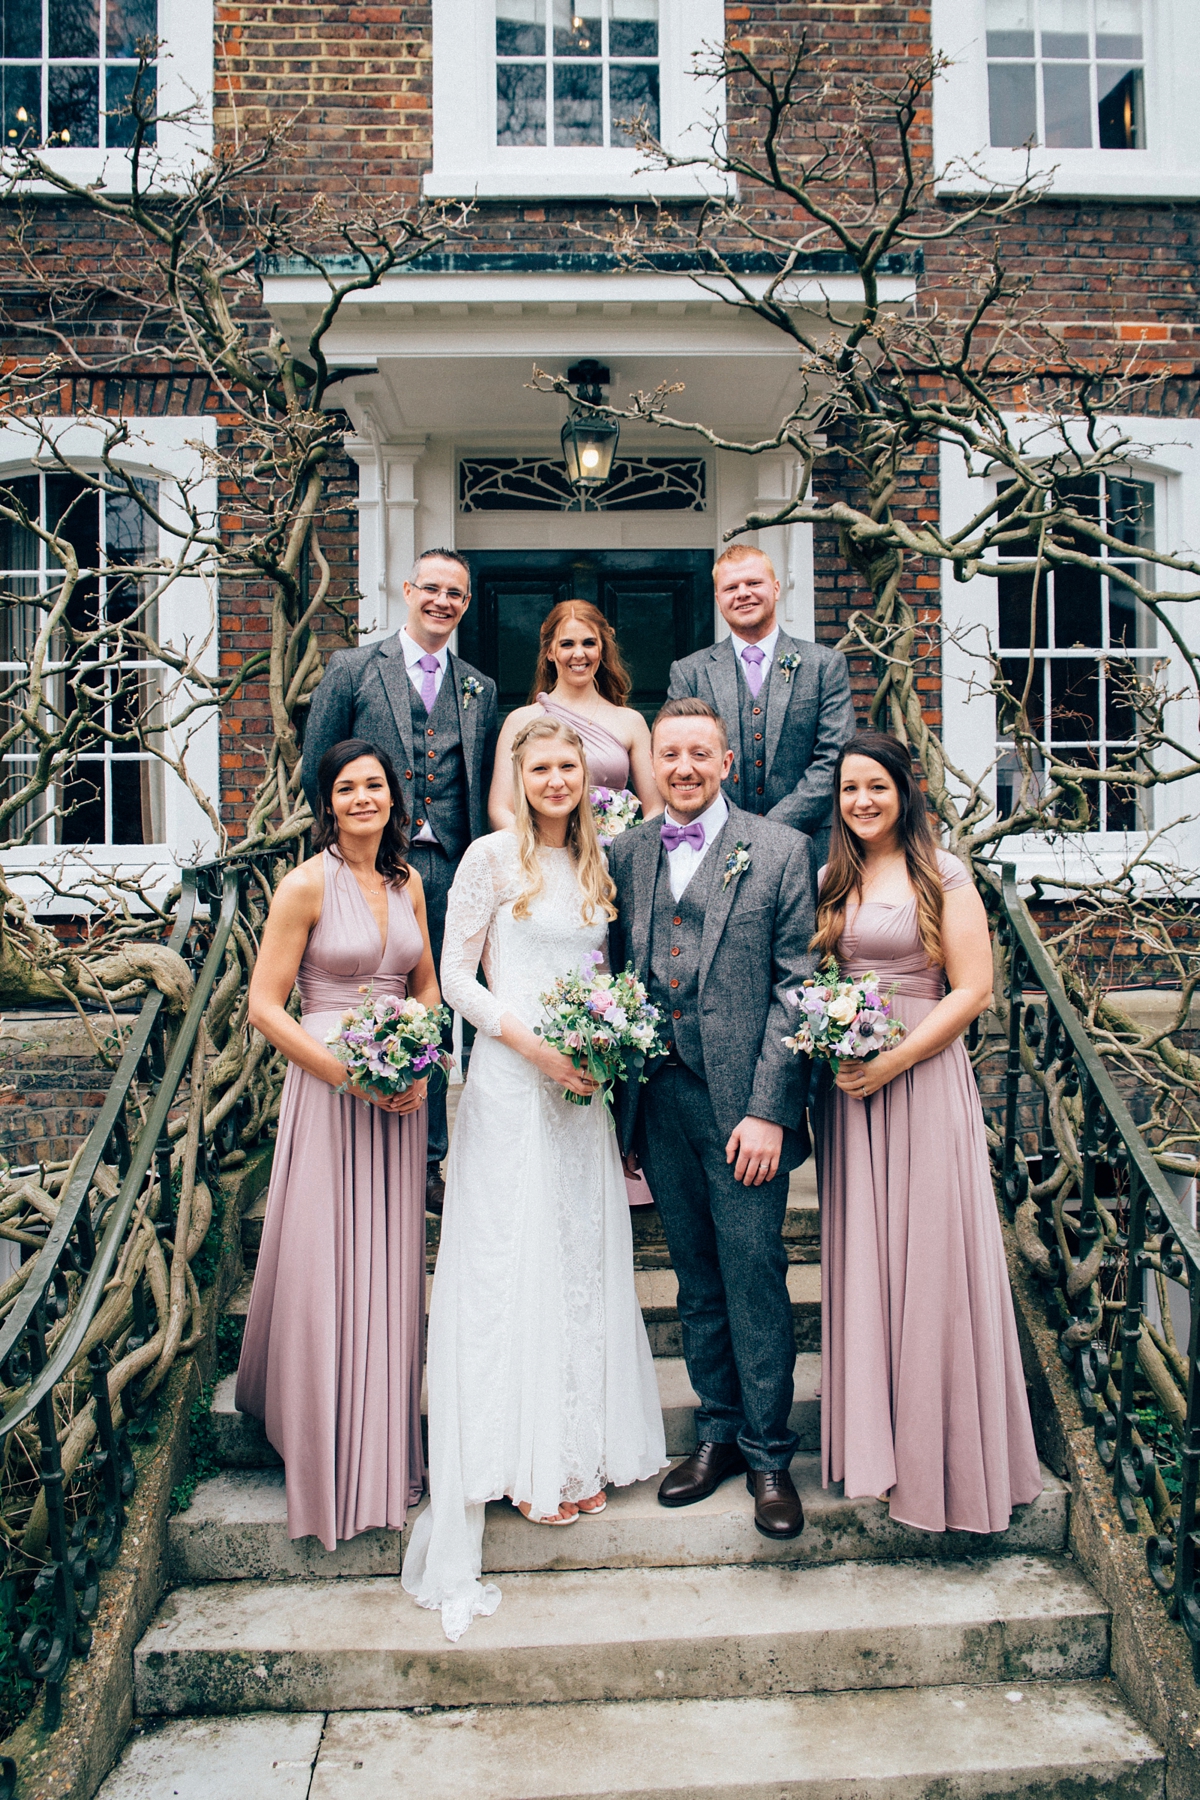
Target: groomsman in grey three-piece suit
point(786, 703)
point(435, 716)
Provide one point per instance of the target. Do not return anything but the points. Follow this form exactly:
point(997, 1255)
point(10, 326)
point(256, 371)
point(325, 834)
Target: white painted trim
point(467, 162)
point(1167, 451)
point(1168, 169)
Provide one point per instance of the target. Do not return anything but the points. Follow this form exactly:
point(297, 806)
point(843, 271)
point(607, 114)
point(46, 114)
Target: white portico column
point(387, 544)
point(790, 547)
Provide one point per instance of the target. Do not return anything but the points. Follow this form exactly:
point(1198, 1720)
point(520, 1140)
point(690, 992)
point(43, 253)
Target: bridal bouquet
point(387, 1044)
point(604, 1023)
point(842, 1020)
point(614, 810)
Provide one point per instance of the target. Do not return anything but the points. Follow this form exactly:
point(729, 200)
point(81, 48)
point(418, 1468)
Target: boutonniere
point(736, 863)
point(472, 687)
point(790, 663)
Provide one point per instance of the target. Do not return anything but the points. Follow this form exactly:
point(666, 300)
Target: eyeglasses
point(432, 592)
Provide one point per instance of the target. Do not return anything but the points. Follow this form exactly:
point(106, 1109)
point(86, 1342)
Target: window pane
point(21, 103)
point(20, 27)
point(130, 22)
point(633, 28)
point(1012, 106)
point(120, 122)
point(1120, 108)
point(82, 801)
point(1131, 512)
point(1120, 714)
point(1015, 595)
point(520, 27)
point(1068, 106)
point(1074, 700)
point(1076, 609)
point(1010, 27)
point(74, 514)
point(74, 27)
point(19, 547)
point(1065, 27)
point(633, 89)
point(578, 107)
point(127, 807)
point(576, 29)
point(1015, 670)
point(74, 110)
point(1119, 28)
point(521, 103)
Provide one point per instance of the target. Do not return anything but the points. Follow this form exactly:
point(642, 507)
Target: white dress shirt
point(683, 862)
point(766, 645)
point(412, 657)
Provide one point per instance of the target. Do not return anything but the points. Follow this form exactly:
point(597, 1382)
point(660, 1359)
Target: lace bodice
point(521, 957)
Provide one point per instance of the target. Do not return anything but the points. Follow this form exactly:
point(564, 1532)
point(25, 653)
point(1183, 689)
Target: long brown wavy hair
point(390, 858)
point(590, 869)
point(844, 870)
point(612, 677)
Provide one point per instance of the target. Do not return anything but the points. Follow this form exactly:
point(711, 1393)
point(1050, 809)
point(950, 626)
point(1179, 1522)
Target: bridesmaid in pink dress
point(923, 1395)
point(331, 1360)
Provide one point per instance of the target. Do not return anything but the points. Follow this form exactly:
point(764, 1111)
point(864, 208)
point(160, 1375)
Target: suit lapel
point(779, 698)
point(721, 893)
point(398, 689)
point(468, 723)
point(645, 875)
point(724, 677)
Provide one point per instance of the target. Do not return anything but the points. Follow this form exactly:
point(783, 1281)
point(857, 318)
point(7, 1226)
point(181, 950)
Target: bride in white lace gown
point(541, 1382)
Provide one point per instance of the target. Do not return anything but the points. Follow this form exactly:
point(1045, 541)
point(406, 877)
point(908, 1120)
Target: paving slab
point(236, 1529)
point(953, 1743)
point(623, 1634)
point(259, 1756)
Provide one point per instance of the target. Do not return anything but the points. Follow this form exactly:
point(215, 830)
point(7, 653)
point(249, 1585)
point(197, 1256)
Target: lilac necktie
point(752, 661)
point(674, 835)
point(428, 690)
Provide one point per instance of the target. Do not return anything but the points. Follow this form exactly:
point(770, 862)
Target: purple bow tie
point(674, 835)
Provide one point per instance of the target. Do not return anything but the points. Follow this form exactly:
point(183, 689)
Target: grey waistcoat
point(749, 746)
point(666, 936)
point(443, 798)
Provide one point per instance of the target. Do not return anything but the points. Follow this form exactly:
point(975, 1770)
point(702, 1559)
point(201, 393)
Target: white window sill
point(1074, 174)
point(566, 175)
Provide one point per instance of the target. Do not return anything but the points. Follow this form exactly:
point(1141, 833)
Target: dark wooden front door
point(659, 603)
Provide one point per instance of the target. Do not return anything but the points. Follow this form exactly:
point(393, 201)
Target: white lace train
point(541, 1382)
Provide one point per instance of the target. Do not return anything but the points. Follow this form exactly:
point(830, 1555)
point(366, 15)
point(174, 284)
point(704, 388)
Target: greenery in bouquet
point(842, 1020)
point(604, 1023)
point(386, 1044)
point(614, 810)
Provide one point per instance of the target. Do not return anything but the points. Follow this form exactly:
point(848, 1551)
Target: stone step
point(241, 1442)
point(1040, 1742)
point(623, 1634)
point(236, 1530)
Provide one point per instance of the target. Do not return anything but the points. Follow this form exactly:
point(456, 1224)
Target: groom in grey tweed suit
point(435, 716)
point(715, 911)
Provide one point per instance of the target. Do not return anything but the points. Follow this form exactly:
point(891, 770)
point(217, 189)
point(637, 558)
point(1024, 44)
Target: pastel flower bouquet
point(842, 1020)
point(604, 1023)
point(614, 810)
point(387, 1044)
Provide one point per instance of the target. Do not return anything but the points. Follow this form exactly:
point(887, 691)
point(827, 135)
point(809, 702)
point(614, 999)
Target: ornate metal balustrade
point(1109, 1241)
point(108, 1290)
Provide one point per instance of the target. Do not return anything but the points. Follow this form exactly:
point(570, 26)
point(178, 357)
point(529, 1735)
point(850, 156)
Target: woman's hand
point(862, 1079)
point(410, 1101)
point(560, 1068)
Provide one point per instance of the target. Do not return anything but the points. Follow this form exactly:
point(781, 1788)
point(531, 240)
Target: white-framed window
point(1091, 96)
point(67, 74)
point(531, 97)
point(1088, 636)
point(117, 806)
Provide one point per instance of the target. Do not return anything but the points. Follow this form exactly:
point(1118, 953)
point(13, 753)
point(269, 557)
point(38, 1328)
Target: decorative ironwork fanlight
point(588, 443)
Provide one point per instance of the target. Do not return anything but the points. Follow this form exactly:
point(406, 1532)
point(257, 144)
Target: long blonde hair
point(582, 842)
point(613, 680)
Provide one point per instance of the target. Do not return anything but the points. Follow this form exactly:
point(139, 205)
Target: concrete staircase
point(641, 1652)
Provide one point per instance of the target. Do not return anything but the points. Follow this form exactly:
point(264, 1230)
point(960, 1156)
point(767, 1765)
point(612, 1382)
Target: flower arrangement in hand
point(387, 1044)
point(604, 1023)
point(842, 1020)
point(614, 810)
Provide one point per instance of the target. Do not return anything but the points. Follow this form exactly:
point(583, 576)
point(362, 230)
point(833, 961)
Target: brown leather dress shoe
point(777, 1509)
point(435, 1189)
point(702, 1474)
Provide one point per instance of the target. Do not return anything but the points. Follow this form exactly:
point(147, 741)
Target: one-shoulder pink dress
point(922, 1386)
point(331, 1359)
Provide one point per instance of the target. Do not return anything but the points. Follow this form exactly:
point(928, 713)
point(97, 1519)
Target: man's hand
point(757, 1146)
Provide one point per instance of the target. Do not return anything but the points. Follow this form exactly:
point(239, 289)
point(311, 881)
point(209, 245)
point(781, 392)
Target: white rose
point(844, 1009)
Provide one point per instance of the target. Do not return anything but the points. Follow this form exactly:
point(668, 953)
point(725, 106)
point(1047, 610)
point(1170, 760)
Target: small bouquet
point(841, 1020)
point(604, 1023)
point(614, 810)
point(387, 1044)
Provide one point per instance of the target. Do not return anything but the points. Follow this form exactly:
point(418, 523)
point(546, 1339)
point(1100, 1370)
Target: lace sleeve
point(470, 910)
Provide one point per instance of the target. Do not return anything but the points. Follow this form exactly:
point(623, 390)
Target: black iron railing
point(67, 1311)
point(1111, 1244)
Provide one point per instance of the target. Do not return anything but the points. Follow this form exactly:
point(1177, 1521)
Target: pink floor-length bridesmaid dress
point(331, 1359)
point(922, 1386)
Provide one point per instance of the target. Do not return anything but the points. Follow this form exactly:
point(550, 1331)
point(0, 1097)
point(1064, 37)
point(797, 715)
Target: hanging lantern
point(588, 443)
